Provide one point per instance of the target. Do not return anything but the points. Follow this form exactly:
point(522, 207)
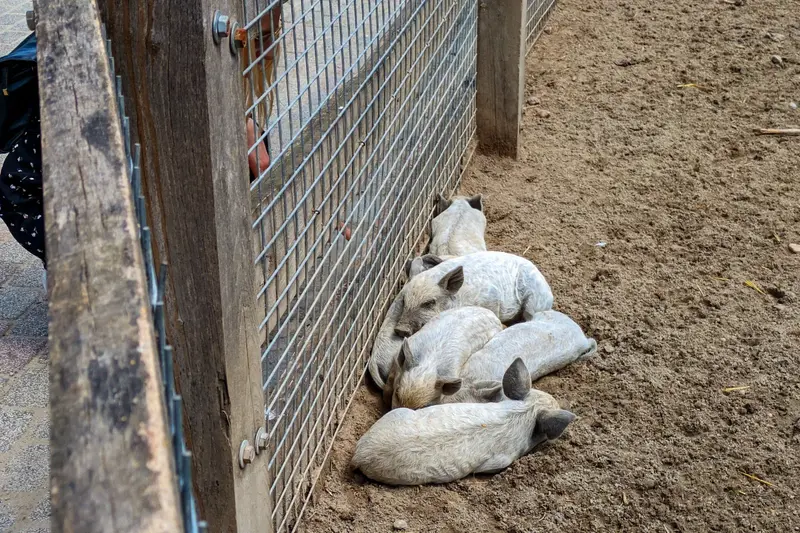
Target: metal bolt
point(261, 439)
point(238, 38)
point(32, 19)
point(247, 454)
point(220, 26)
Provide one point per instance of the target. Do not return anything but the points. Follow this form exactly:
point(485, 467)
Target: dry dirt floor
point(696, 291)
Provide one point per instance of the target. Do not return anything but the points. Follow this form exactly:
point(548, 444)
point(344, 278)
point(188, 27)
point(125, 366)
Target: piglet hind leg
point(496, 464)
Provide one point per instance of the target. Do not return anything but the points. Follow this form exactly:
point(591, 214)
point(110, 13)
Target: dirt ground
point(692, 205)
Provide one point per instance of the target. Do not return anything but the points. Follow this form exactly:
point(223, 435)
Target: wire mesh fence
point(537, 13)
point(365, 109)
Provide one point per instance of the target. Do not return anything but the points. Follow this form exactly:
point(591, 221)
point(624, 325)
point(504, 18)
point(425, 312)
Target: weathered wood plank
point(111, 460)
point(188, 114)
point(501, 75)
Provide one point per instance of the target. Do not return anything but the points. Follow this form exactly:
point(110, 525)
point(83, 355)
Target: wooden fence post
point(501, 75)
point(186, 100)
point(111, 462)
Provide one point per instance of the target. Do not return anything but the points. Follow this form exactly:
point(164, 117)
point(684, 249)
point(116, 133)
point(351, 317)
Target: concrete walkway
point(24, 411)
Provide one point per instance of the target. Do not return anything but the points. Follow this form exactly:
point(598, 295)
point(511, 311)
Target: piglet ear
point(453, 280)
point(517, 380)
point(405, 359)
point(430, 260)
point(408, 267)
point(441, 205)
point(476, 202)
point(551, 423)
point(488, 391)
point(448, 385)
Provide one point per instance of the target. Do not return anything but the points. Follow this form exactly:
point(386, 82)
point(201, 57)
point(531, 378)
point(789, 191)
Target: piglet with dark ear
point(424, 262)
point(459, 226)
point(447, 442)
point(428, 365)
point(547, 343)
point(509, 286)
point(387, 344)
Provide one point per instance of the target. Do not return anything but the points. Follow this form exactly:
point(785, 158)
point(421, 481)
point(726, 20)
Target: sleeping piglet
point(429, 362)
point(548, 342)
point(387, 345)
point(458, 227)
point(443, 443)
point(422, 263)
point(508, 285)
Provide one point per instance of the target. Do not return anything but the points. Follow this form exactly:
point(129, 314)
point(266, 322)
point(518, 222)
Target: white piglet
point(387, 345)
point(459, 226)
point(509, 286)
point(547, 343)
point(447, 442)
point(429, 362)
point(424, 262)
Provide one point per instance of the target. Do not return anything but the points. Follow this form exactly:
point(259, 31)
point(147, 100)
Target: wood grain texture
point(501, 75)
point(188, 114)
point(111, 460)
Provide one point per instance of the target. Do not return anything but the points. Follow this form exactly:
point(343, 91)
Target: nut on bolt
point(261, 440)
point(247, 454)
point(32, 20)
point(238, 38)
point(220, 26)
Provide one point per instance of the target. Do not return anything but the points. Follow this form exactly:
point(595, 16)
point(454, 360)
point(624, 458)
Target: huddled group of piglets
point(458, 381)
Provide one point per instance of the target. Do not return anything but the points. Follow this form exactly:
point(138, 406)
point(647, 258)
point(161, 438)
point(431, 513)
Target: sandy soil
point(691, 205)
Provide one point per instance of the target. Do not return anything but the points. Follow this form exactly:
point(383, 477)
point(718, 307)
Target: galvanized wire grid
point(537, 13)
point(155, 287)
point(368, 108)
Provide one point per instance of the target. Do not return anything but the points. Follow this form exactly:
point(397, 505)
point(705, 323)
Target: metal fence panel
point(537, 13)
point(367, 108)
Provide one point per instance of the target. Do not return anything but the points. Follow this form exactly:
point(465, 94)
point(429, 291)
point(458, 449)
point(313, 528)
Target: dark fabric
point(21, 191)
point(19, 99)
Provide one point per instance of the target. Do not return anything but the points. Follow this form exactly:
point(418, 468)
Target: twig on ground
point(778, 131)
point(751, 476)
point(734, 389)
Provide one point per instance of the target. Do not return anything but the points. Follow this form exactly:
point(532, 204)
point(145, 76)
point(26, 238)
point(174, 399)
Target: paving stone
point(42, 511)
point(12, 425)
point(5, 235)
point(33, 323)
point(43, 430)
point(27, 277)
point(12, 252)
point(30, 389)
point(15, 300)
point(28, 470)
point(6, 518)
point(8, 271)
point(15, 352)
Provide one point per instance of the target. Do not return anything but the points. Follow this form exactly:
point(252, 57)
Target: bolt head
point(261, 439)
point(247, 453)
point(31, 19)
point(220, 26)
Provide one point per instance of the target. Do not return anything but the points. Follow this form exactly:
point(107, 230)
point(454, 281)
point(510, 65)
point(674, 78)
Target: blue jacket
point(19, 100)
